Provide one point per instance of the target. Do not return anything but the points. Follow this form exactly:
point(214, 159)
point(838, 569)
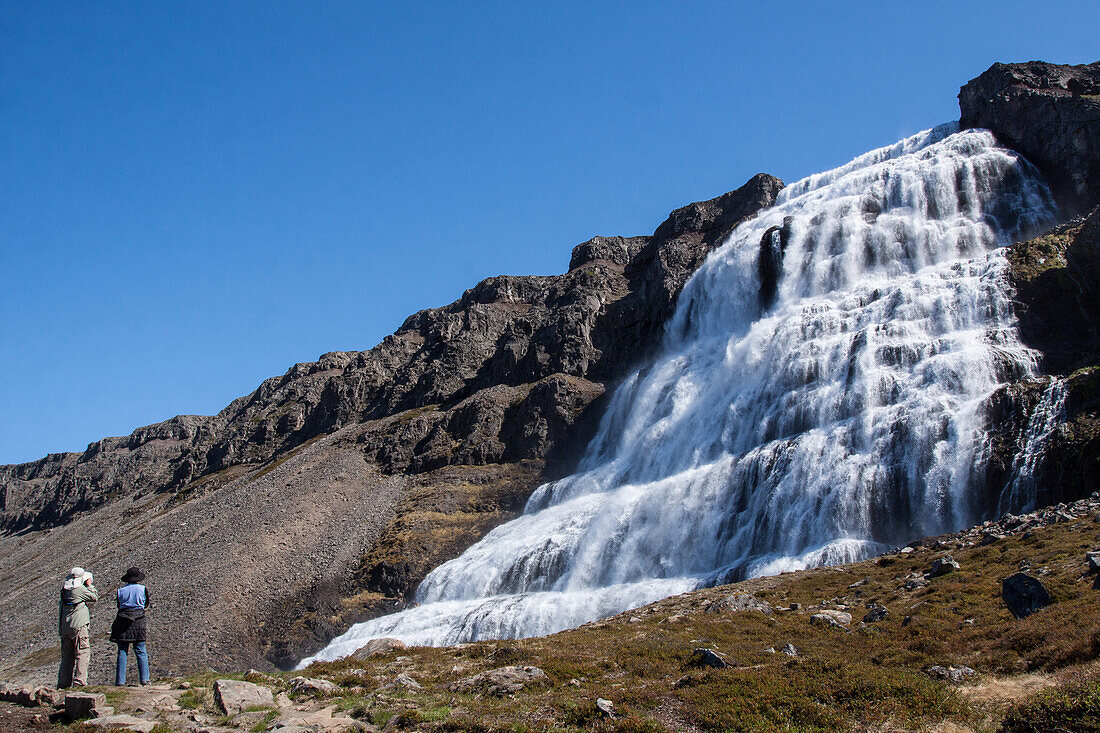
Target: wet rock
point(943, 566)
point(703, 657)
point(831, 619)
point(85, 705)
point(235, 696)
point(501, 681)
point(954, 675)
point(1024, 594)
point(875, 613)
point(739, 602)
point(314, 687)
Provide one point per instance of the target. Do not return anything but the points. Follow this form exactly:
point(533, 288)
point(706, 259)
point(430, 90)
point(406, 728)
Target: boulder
point(378, 647)
point(740, 602)
point(954, 675)
point(831, 619)
point(875, 613)
point(236, 696)
point(501, 681)
point(314, 687)
point(402, 680)
point(85, 705)
point(123, 722)
point(943, 566)
point(1093, 559)
point(1024, 594)
point(703, 657)
point(791, 650)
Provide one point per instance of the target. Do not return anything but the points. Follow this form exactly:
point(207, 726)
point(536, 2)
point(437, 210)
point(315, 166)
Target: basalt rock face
point(356, 474)
point(1051, 114)
point(541, 343)
point(1056, 277)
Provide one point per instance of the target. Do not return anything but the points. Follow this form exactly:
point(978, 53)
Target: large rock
point(703, 657)
point(943, 566)
point(831, 619)
point(85, 705)
point(313, 686)
point(378, 647)
point(237, 696)
point(1051, 114)
point(739, 602)
point(1024, 594)
point(502, 681)
point(955, 675)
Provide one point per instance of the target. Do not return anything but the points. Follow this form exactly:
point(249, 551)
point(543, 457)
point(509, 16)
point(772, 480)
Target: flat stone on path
point(123, 722)
point(235, 696)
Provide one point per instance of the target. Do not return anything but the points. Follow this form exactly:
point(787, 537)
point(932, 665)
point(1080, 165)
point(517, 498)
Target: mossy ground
point(871, 677)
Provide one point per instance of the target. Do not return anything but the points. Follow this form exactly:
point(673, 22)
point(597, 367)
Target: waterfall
point(1021, 494)
point(819, 398)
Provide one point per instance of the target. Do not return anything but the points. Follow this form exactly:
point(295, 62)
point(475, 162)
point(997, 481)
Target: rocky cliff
point(1051, 113)
point(325, 495)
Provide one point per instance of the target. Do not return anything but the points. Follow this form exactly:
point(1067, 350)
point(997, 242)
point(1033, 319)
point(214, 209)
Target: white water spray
point(836, 416)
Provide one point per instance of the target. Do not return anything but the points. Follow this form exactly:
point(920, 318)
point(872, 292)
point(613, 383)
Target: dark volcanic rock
point(1056, 278)
point(1024, 595)
point(1051, 114)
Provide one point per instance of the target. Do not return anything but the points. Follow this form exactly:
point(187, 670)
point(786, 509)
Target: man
point(73, 620)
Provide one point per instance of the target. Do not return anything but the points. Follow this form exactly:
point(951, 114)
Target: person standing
point(129, 626)
point(74, 618)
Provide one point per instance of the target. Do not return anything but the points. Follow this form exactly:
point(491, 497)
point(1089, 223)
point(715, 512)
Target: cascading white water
point(1021, 493)
point(836, 415)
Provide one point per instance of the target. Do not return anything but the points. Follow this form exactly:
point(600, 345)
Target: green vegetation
point(1074, 706)
point(1040, 673)
point(872, 676)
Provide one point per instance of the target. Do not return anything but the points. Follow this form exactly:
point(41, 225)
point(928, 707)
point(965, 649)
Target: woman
point(129, 626)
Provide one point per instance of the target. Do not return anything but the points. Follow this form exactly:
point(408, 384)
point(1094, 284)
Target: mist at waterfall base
point(819, 399)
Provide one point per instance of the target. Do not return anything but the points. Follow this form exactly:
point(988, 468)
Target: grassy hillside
point(1038, 673)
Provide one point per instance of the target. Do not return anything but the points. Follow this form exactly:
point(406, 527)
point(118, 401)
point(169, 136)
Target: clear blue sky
point(194, 196)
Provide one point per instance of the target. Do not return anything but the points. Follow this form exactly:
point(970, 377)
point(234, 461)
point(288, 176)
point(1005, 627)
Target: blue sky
point(195, 196)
